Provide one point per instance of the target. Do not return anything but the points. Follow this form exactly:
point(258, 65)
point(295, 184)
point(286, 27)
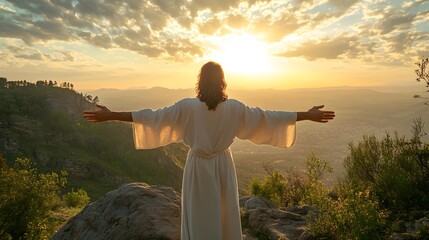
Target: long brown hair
point(211, 85)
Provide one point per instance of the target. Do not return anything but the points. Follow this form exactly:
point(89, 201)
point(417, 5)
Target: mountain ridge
point(44, 123)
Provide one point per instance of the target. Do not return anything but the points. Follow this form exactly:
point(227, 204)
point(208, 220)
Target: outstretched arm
point(104, 114)
point(316, 115)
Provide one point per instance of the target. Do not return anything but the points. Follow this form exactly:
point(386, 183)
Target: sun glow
point(242, 54)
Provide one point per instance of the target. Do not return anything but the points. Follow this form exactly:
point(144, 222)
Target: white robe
point(210, 207)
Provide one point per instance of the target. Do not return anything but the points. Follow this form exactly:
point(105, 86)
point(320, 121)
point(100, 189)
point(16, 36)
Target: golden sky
point(261, 44)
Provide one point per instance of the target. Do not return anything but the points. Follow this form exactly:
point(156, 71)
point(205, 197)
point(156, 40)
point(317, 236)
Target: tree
point(316, 167)
point(3, 163)
point(95, 100)
point(26, 198)
point(78, 198)
point(291, 188)
point(395, 168)
point(3, 82)
point(88, 97)
point(423, 75)
point(40, 83)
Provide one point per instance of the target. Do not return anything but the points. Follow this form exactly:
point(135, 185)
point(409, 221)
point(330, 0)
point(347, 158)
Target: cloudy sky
point(260, 43)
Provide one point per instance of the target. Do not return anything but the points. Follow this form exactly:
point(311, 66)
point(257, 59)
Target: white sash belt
point(208, 156)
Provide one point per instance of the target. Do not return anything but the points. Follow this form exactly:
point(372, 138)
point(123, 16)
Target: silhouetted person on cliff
point(208, 124)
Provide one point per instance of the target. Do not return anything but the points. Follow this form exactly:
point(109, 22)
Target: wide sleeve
point(157, 128)
point(276, 128)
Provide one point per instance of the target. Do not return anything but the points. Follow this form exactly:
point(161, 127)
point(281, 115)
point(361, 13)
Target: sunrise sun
point(242, 54)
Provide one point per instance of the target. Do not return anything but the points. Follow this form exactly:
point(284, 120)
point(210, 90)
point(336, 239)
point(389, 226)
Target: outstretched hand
point(101, 115)
point(315, 114)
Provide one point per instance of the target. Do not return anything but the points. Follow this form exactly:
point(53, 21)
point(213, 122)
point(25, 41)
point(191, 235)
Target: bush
point(395, 168)
point(26, 198)
point(353, 215)
point(273, 188)
point(293, 187)
point(77, 198)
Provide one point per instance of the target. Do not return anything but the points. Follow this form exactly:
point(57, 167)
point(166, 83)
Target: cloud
point(413, 3)
point(210, 27)
point(274, 31)
point(134, 25)
point(172, 7)
point(6, 9)
point(33, 53)
point(326, 48)
point(38, 7)
point(301, 3)
point(236, 21)
point(30, 56)
point(342, 4)
point(181, 29)
point(182, 49)
point(213, 6)
point(400, 42)
point(395, 20)
point(16, 51)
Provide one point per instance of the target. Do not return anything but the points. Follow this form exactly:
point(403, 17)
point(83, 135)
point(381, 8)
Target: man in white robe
point(210, 207)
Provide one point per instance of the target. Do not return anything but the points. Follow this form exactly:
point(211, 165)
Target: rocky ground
point(142, 211)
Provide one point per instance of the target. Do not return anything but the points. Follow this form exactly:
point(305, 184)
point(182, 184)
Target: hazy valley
point(359, 111)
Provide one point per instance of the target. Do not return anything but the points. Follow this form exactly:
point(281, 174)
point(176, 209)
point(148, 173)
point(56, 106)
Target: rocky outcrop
point(141, 211)
point(133, 211)
point(258, 202)
point(412, 229)
point(273, 223)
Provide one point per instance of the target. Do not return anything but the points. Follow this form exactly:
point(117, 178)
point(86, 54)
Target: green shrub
point(273, 187)
point(353, 215)
point(316, 167)
point(26, 198)
point(77, 198)
point(293, 187)
point(395, 168)
point(423, 232)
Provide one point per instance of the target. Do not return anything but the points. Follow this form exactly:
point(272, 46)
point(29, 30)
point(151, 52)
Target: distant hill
point(44, 122)
point(359, 110)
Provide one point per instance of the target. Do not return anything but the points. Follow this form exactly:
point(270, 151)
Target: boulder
point(140, 211)
point(243, 200)
point(280, 224)
point(422, 222)
point(133, 211)
point(401, 236)
point(258, 202)
point(302, 210)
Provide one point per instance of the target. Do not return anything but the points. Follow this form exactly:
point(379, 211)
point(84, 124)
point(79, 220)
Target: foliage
point(26, 198)
point(291, 188)
point(423, 231)
point(78, 198)
point(423, 75)
point(394, 168)
point(346, 213)
point(43, 121)
point(316, 167)
point(273, 187)
point(354, 214)
point(3, 163)
point(422, 72)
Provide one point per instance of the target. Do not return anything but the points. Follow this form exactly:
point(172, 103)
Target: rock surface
point(133, 211)
point(286, 223)
point(258, 202)
point(141, 211)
